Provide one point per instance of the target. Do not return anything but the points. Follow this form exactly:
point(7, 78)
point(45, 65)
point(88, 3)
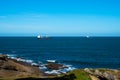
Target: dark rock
point(55, 66)
point(3, 57)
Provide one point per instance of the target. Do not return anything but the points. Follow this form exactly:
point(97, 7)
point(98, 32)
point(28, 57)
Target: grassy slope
point(81, 74)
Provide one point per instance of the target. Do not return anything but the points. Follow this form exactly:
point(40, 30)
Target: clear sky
point(60, 17)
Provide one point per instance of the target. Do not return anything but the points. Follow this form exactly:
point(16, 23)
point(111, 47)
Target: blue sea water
point(81, 52)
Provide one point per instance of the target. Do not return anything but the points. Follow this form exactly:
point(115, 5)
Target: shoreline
point(49, 68)
point(16, 69)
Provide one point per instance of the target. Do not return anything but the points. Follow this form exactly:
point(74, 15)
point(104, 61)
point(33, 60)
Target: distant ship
point(42, 37)
point(39, 36)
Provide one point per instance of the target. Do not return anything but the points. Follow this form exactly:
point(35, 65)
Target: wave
point(43, 66)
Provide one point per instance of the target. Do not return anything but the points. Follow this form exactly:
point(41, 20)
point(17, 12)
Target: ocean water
point(81, 52)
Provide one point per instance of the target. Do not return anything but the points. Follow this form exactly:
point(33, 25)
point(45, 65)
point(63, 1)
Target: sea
point(80, 52)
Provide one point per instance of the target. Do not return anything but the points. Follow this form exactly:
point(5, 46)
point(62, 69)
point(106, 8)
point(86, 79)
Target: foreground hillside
point(11, 69)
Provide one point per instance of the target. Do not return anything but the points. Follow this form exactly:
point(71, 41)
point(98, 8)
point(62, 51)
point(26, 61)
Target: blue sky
point(60, 17)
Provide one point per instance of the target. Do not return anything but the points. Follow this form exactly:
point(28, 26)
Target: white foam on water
point(53, 72)
point(29, 61)
point(61, 71)
point(70, 68)
point(21, 59)
point(53, 61)
point(11, 55)
point(68, 65)
point(34, 64)
point(43, 66)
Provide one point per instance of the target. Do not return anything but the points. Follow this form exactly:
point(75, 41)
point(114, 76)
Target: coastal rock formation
point(104, 74)
point(55, 66)
point(12, 68)
point(3, 57)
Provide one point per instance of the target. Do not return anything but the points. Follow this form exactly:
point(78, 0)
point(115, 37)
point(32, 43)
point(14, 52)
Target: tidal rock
point(55, 66)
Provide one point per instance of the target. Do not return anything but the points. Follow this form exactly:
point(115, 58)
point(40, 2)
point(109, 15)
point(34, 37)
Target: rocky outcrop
point(3, 57)
point(18, 69)
point(11, 68)
point(103, 74)
point(55, 66)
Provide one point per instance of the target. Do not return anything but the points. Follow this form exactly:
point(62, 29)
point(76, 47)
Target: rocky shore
point(15, 69)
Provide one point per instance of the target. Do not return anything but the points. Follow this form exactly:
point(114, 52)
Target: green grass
point(80, 74)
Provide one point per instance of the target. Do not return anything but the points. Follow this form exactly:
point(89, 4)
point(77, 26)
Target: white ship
point(39, 36)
